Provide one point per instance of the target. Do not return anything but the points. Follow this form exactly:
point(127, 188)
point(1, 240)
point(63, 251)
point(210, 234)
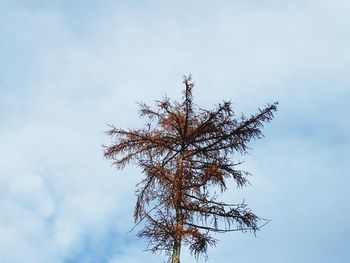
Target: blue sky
point(69, 67)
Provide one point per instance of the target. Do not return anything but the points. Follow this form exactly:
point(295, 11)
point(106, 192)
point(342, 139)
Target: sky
point(69, 68)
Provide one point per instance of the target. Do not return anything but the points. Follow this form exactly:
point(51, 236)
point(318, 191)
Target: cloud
point(68, 70)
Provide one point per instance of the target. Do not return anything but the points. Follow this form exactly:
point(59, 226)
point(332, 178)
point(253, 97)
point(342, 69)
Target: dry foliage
point(186, 154)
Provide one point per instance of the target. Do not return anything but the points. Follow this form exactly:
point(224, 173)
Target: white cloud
point(55, 188)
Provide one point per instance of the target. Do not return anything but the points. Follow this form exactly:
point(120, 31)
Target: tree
point(185, 153)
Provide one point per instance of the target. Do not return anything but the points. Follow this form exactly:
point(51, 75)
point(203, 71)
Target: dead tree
point(185, 153)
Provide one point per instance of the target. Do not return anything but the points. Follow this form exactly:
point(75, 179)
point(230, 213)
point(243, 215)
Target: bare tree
point(185, 154)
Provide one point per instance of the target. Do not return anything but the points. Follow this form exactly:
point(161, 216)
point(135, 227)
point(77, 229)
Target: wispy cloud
point(67, 69)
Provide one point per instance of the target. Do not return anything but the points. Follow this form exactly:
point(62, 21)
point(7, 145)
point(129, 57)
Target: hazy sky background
point(67, 68)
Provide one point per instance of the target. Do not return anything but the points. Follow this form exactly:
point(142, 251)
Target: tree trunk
point(178, 236)
point(179, 215)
